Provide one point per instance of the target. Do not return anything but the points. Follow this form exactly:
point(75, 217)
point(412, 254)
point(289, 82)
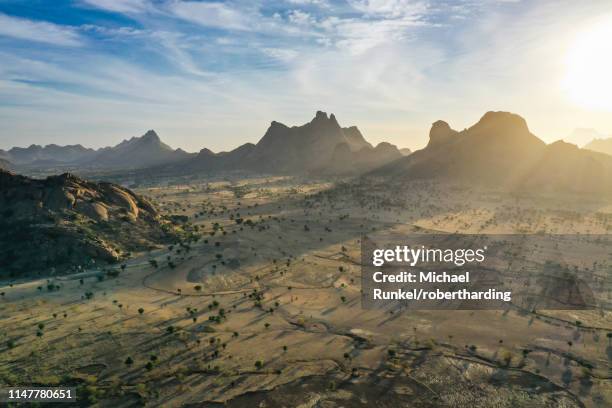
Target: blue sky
point(214, 74)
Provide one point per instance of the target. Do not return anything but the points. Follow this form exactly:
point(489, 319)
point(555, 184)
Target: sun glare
point(588, 79)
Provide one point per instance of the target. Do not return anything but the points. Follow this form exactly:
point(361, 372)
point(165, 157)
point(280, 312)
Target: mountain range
point(320, 146)
point(583, 136)
point(600, 145)
point(137, 152)
point(500, 150)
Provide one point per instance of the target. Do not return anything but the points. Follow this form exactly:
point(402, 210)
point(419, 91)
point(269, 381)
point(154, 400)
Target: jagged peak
point(332, 118)
point(321, 115)
point(151, 135)
point(322, 119)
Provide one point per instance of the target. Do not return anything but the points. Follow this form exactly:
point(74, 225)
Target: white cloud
point(390, 8)
point(218, 15)
point(120, 6)
point(178, 48)
point(357, 36)
point(38, 31)
point(319, 3)
point(117, 32)
point(300, 17)
point(281, 54)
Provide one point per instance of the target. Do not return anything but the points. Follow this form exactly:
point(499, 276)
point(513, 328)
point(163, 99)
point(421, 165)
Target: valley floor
point(264, 309)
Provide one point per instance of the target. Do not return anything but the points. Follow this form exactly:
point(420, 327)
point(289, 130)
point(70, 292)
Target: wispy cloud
point(319, 3)
point(177, 48)
point(218, 15)
point(391, 8)
point(120, 6)
point(281, 54)
point(38, 31)
point(357, 36)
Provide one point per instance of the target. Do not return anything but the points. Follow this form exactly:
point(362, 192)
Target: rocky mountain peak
point(504, 121)
point(320, 116)
point(151, 136)
point(440, 132)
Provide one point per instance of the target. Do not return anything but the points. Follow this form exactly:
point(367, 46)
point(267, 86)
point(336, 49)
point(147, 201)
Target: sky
point(215, 73)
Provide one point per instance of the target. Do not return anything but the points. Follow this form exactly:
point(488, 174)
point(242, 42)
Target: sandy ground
point(270, 315)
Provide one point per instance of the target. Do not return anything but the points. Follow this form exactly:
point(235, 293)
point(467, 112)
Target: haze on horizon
point(214, 74)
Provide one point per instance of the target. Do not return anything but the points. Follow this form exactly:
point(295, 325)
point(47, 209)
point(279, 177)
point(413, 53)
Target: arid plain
point(261, 306)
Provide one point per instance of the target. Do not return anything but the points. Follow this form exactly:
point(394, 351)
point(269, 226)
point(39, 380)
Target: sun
point(588, 77)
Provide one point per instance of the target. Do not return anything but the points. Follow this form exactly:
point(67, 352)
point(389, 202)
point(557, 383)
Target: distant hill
point(500, 150)
point(346, 161)
point(208, 161)
point(319, 146)
point(47, 154)
point(582, 136)
point(137, 152)
point(565, 167)
point(64, 221)
point(405, 151)
point(600, 145)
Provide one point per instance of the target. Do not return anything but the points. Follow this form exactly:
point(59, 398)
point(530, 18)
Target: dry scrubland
point(261, 307)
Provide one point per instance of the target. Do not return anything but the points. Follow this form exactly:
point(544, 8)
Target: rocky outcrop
point(64, 221)
point(440, 133)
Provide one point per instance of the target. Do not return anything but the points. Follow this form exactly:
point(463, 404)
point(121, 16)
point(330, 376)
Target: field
point(260, 306)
